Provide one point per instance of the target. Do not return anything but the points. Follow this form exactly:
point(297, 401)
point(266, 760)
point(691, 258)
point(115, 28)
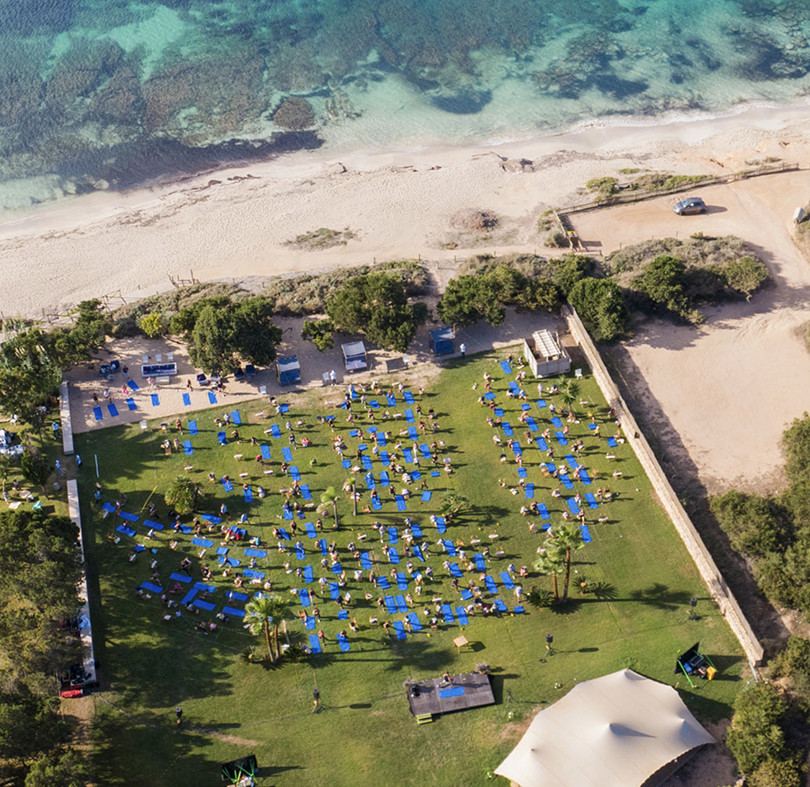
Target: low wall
point(711, 575)
point(64, 416)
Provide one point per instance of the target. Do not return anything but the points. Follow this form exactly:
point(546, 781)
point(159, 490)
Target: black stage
point(476, 688)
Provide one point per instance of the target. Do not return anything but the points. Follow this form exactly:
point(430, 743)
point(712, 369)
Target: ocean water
point(112, 94)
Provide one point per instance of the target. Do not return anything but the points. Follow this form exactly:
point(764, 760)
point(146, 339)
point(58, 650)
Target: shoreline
point(234, 224)
point(588, 136)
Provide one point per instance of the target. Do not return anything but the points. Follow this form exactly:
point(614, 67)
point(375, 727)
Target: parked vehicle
point(690, 206)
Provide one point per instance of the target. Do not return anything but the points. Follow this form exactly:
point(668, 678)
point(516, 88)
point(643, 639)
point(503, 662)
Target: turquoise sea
point(98, 94)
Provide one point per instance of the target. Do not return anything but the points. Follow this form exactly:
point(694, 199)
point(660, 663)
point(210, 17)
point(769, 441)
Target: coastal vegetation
point(322, 238)
point(607, 187)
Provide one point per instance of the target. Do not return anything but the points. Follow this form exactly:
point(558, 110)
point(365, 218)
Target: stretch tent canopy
point(613, 731)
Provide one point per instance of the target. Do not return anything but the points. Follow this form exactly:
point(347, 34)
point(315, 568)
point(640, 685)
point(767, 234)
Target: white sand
point(727, 388)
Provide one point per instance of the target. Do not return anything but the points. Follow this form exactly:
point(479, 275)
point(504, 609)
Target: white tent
point(614, 731)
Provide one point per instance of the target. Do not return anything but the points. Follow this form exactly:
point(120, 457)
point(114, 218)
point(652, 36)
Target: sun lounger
point(586, 534)
point(447, 613)
point(507, 580)
point(98, 414)
point(202, 542)
point(155, 400)
point(314, 643)
point(572, 505)
point(185, 579)
point(212, 397)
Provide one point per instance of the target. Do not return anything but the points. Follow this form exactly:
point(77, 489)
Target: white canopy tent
point(614, 731)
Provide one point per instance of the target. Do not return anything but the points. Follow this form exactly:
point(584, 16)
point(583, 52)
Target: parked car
point(690, 206)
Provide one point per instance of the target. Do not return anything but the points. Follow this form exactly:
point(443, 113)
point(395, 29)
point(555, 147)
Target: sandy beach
point(234, 225)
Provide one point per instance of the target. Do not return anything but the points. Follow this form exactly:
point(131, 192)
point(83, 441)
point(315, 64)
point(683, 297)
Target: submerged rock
point(294, 114)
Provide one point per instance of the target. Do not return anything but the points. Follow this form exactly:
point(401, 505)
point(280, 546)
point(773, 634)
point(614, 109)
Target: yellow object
point(710, 673)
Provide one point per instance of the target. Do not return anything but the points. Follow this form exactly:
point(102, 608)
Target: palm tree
point(568, 537)
point(552, 561)
point(330, 496)
point(260, 613)
point(453, 504)
point(569, 395)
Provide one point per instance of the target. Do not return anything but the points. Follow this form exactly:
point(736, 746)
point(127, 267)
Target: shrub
point(601, 305)
point(755, 525)
point(663, 283)
point(319, 332)
point(756, 734)
point(604, 187)
point(794, 663)
point(152, 324)
point(796, 445)
point(744, 275)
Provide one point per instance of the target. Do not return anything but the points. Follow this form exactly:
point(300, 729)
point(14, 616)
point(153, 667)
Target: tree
point(183, 494)
point(569, 394)
point(330, 497)
point(744, 275)
point(568, 537)
point(260, 613)
point(212, 341)
point(40, 566)
point(29, 726)
point(454, 504)
point(376, 304)
point(569, 270)
point(152, 324)
point(601, 305)
point(756, 734)
point(88, 334)
point(254, 334)
point(29, 374)
point(36, 468)
point(64, 769)
point(664, 283)
point(319, 332)
point(468, 299)
point(551, 561)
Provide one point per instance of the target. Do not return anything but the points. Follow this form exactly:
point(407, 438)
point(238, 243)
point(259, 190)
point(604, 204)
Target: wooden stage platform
point(468, 690)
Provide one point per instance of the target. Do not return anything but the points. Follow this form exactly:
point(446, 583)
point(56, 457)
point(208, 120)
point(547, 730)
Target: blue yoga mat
point(542, 444)
point(265, 449)
point(376, 505)
point(365, 561)
point(532, 424)
point(408, 397)
point(133, 385)
point(593, 427)
point(113, 410)
point(314, 643)
point(236, 418)
point(400, 601)
point(591, 500)
point(98, 414)
point(456, 571)
point(561, 438)
point(586, 534)
point(507, 580)
point(343, 615)
point(131, 404)
point(402, 580)
point(390, 605)
point(126, 530)
point(408, 455)
point(129, 517)
point(305, 493)
point(299, 552)
point(492, 587)
point(426, 495)
point(557, 422)
point(455, 691)
point(417, 550)
point(309, 622)
point(344, 643)
point(409, 416)
point(566, 481)
point(155, 400)
point(192, 428)
point(186, 399)
point(529, 491)
point(506, 367)
point(400, 630)
point(187, 447)
point(393, 555)
point(251, 574)
point(256, 552)
point(151, 586)
point(181, 578)
point(152, 524)
point(400, 503)
point(227, 484)
point(416, 529)
point(202, 542)
point(337, 569)
point(295, 473)
point(275, 430)
point(414, 619)
point(310, 529)
point(321, 544)
point(303, 594)
point(449, 547)
point(461, 614)
point(447, 612)
point(248, 495)
point(480, 564)
point(383, 583)
point(572, 505)
point(612, 442)
point(212, 397)
point(234, 612)
point(214, 520)
point(392, 535)
point(235, 595)
point(206, 605)
point(584, 477)
point(287, 453)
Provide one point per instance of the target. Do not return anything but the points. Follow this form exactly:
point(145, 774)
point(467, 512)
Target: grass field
point(366, 735)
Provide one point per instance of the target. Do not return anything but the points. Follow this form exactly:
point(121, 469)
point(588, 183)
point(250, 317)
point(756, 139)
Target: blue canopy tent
point(289, 370)
point(441, 341)
point(354, 356)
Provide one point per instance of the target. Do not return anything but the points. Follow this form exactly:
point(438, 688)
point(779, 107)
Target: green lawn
point(366, 734)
